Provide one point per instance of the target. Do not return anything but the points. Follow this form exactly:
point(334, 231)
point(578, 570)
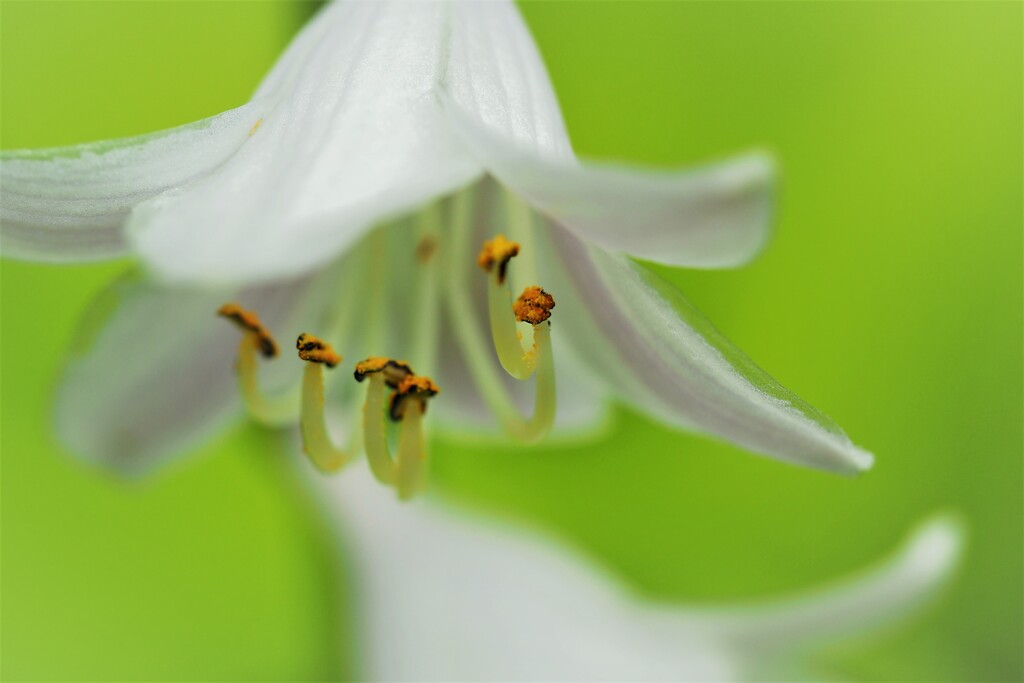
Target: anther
point(497, 253)
point(250, 322)
point(394, 371)
point(533, 306)
point(412, 388)
point(316, 351)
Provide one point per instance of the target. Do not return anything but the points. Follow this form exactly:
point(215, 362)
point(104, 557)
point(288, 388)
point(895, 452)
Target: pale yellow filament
point(507, 340)
point(477, 353)
point(407, 471)
point(273, 411)
point(316, 442)
point(375, 441)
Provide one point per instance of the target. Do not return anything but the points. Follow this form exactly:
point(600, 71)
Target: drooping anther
point(316, 351)
point(412, 388)
point(533, 306)
point(250, 322)
point(394, 371)
point(497, 253)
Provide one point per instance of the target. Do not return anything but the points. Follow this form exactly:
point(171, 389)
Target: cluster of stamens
point(394, 390)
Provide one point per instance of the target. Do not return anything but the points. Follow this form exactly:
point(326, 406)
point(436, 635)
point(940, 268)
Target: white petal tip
point(860, 460)
point(934, 548)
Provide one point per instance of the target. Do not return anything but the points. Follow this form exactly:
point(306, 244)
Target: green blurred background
point(891, 298)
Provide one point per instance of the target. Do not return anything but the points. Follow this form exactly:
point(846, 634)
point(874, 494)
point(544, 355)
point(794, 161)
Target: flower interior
point(394, 392)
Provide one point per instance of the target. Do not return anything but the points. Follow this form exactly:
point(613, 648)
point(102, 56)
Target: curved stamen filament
point(507, 340)
point(476, 351)
point(316, 441)
point(273, 411)
point(407, 470)
point(374, 433)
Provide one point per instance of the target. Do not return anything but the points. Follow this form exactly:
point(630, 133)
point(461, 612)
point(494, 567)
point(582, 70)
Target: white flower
point(436, 123)
point(444, 598)
point(348, 198)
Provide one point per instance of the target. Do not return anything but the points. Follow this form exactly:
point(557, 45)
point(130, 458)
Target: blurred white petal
point(443, 597)
point(151, 373)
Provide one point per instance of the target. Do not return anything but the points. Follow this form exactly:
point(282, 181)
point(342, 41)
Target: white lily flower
point(441, 597)
point(389, 130)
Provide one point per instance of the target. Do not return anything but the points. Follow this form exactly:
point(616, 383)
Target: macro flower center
point(395, 393)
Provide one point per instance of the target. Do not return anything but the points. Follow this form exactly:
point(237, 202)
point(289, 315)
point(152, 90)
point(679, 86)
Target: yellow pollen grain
point(250, 322)
point(533, 305)
point(316, 351)
point(255, 127)
point(497, 252)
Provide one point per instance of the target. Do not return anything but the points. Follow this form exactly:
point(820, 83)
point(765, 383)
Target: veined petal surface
point(70, 203)
point(356, 136)
point(659, 353)
point(712, 217)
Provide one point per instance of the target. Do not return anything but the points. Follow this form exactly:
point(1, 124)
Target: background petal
point(443, 597)
point(151, 374)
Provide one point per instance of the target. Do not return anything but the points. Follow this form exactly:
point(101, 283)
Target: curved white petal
point(712, 217)
point(659, 353)
point(898, 587)
point(71, 203)
point(356, 136)
point(445, 597)
point(151, 374)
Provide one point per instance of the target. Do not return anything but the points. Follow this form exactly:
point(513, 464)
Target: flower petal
point(900, 586)
point(442, 597)
point(446, 597)
point(152, 371)
point(356, 137)
point(713, 217)
point(71, 203)
point(659, 353)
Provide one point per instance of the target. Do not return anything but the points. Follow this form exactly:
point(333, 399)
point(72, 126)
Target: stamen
point(272, 411)
point(497, 252)
point(475, 348)
point(316, 442)
point(255, 127)
point(407, 404)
